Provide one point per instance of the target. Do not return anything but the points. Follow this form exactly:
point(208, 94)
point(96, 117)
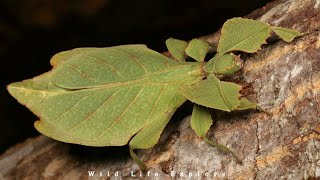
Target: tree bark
point(280, 141)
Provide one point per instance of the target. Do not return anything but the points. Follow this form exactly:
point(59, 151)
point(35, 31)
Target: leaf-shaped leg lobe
point(197, 49)
point(239, 34)
point(213, 93)
point(176, 48)
point(148, 136)
point(286, 34)
point(201, 122)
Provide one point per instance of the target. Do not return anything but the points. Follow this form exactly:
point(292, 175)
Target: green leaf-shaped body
point(108, 96)
point(104, 96)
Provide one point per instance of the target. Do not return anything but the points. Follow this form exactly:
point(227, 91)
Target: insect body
point(127, 94)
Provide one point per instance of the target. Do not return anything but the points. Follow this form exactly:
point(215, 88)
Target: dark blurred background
point(31, 31)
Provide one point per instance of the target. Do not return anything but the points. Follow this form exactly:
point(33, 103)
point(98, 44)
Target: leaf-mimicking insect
point(127, 94)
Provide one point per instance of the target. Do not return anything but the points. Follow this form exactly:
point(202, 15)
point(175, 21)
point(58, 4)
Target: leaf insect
point(127, 94)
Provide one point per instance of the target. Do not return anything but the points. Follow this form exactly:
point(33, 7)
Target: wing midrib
point(142, 80)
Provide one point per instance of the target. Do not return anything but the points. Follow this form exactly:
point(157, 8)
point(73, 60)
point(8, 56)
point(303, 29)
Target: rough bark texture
point(280, 141)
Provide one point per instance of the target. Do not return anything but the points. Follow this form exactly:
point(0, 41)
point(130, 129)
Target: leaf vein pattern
point(43, 99)
point(120, 116)
point(116, 71)
point(95, 111)
point(84, 75)
point(73, 106)
point(156, 103)
point(64, 77)
point(132, 57)
point(55, 104)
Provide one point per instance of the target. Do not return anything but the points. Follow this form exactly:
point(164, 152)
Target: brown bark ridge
point(280, 141)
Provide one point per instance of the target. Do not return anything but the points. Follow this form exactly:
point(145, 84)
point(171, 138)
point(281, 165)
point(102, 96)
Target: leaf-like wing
point(200, 120)
point(104, 96)
point(239, 34)
point(197, 49)
point(286, 34)
point(213, 93)
point(176, 48)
